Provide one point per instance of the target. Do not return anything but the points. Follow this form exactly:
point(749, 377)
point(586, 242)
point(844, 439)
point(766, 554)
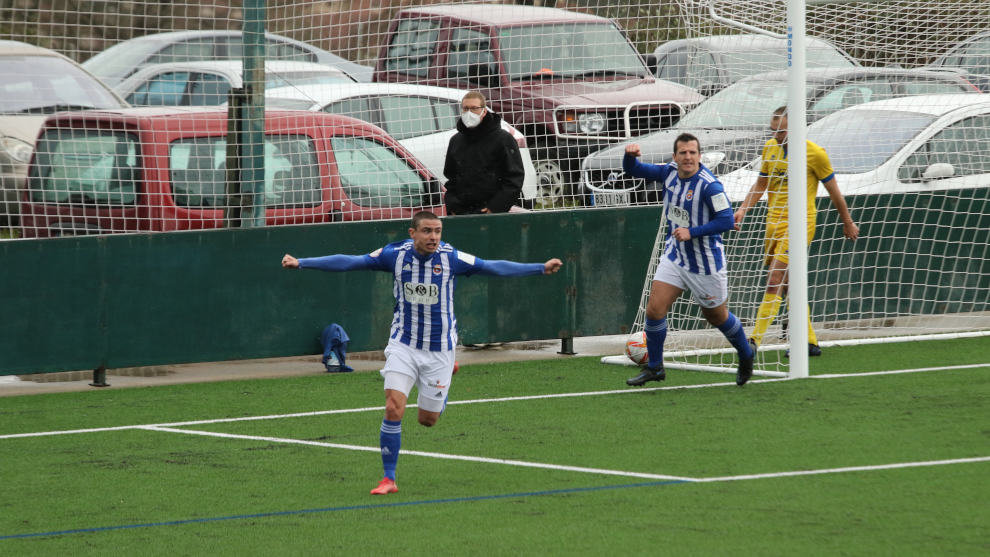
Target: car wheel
point(551, 184)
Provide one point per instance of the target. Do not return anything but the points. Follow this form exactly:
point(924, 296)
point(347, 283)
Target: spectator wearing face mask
point(483, 167)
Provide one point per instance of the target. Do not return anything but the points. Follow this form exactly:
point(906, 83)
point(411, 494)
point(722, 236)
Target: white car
point(422, 118)
point(909, 144)
point(37, 82)
point(208, 82)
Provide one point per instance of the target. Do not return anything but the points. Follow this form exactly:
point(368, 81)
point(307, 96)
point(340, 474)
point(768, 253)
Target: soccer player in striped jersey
point(697, 212)
point(773, 181)
point(423, 335)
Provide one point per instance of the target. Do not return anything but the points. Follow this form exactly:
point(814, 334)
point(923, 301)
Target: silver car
point(118, 62)
point(208, 82)
point(37, 82)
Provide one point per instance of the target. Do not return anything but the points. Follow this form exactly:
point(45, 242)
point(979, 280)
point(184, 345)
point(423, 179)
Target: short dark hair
point(686, 138)
point(420, 217)
point(781, 111)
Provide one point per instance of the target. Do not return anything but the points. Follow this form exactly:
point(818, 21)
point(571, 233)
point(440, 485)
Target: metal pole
point(797, 172)
point(252, 139)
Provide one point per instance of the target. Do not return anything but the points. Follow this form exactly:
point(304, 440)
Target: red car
point(572, 83)
point(163, 169)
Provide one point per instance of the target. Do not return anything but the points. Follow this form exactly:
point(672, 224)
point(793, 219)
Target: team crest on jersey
point(689, 195)
point(437, 269)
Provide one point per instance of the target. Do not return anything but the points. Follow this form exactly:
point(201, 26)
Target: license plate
point(611, 199)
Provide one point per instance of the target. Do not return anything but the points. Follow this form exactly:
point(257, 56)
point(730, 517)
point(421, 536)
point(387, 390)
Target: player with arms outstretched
point(698, 211)
point(423, 335)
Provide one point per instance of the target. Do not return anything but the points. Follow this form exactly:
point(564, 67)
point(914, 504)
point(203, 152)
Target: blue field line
point(339, 509)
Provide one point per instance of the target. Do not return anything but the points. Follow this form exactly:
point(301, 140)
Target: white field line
point(445, 456)
point(565, 468)
point(845, 469)
point(475, 401)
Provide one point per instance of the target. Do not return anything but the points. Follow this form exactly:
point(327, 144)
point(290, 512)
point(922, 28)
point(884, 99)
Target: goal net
point(913, 171)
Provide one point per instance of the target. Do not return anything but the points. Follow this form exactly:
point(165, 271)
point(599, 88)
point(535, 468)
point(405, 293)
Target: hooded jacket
point(483, 168)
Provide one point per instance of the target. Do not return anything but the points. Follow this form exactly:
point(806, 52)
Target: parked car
point(972, 57)
point(709, 64)
point(923, 143)
point(163, 169)
point(207, 83)
point(571, 82)
point(420, 117)
point(733, 124)
point(36, 82)
point(118, 62)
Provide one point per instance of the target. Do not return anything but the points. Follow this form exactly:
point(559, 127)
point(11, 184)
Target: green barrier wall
point(132, 300)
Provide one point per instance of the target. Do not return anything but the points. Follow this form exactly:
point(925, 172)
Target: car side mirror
point(938, 171)
point(651, 63)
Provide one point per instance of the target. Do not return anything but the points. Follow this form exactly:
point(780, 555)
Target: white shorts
point(429, 371)
point(710, 291)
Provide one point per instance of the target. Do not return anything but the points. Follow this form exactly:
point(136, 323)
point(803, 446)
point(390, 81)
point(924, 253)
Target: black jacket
point(483, 168)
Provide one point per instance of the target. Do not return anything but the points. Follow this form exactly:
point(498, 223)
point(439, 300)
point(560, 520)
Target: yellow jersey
point(774, 167)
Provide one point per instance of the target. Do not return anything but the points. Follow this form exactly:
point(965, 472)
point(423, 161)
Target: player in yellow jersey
point(773, 181)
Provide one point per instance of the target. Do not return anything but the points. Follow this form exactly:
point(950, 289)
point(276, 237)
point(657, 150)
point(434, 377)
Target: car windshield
point(568, 50)
point(861, 140)
point(746, 104)
point(46, 84)
point(744, 63)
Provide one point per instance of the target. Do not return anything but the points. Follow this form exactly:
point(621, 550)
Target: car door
point(470, 62)
point(164, 89)
point(377, 181)
point(413, 121)
point(673, 66)
point(207, 89)
point(411, 51)
point(964, 145)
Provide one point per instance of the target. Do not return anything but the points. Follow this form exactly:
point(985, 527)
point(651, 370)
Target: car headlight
point(591, 123)
point(16, 149)
point(711, 159)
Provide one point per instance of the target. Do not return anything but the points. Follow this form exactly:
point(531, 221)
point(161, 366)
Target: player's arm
point(849, 228)
point(504, 268)
point(752, 198)
point(632, 167)
point(721, 210)
point(337, 262)
point(467, 264)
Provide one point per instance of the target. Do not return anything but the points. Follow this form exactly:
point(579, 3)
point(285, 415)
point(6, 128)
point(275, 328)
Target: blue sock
point(733, 330)
point(656, 334)
point(390, 440)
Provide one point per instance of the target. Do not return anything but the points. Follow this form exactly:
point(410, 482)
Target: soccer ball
point(636, 348)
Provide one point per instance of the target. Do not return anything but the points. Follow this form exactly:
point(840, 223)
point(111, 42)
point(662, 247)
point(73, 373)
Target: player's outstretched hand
point(290, 262)
point(633, 149)
point(552, 266)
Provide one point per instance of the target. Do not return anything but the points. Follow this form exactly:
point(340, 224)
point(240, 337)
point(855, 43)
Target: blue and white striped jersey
point(423, 286)
point(692, 203)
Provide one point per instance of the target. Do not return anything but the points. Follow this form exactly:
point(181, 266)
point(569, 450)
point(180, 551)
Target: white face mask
point(470, 119)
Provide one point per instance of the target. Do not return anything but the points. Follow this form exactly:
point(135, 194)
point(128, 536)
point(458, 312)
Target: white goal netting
point(893, 97)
